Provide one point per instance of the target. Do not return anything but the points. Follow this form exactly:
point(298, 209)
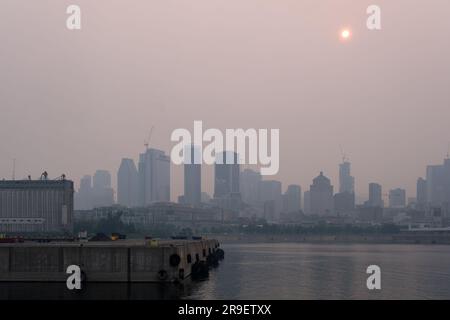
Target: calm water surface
point(284, 271)
point(310, 271)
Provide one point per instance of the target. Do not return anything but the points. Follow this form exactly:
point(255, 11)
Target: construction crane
point(147, 142)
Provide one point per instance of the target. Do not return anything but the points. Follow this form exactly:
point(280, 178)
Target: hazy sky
point(76, 101)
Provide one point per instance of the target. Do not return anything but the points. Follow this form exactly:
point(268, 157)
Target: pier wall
point(105, 262)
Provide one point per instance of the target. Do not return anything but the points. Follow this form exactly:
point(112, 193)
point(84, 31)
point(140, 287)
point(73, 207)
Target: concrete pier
point(112, 261)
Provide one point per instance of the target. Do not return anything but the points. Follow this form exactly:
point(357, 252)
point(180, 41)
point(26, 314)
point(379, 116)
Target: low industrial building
point(36, 206)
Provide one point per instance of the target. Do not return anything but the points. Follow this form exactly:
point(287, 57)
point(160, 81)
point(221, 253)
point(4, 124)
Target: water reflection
point(283, 271)
point(92, 291)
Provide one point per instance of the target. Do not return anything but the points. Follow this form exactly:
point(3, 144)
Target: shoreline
point(413, 239)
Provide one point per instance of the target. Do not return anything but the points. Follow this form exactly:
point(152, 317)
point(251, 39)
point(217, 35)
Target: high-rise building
point(249, 186)
point(344, 203)
point(321, 195)
point(226, 181)
point(346, 181)
point(36, 205)
point(438, 184)
point(127, 183)
point(292, 199)
point(101, 180)
point(271, 191)
point(192, 176)
point(421, 192)
point(154, 177)
point(226, 174)
point(83, 198)
point(397, 198)
point(102, 193)
point(307, 202)
point(375, 196)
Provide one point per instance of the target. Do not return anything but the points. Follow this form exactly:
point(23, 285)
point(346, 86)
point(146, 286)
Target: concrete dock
point(110, 261)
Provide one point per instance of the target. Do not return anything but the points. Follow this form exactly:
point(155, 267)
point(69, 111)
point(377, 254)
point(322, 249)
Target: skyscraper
point(344, 203)
point(307, 202)
point(421, 192)
point(83, 198)
point(192, 176)
point(346, 181)
point(271, 191)
point(102, 193)
point(154, 177)
point(226, 174)
point(127, 183)
point(249, 186)
point(397, 198)
point(226, 181)
point(375, 196)
point(101, 180)
point(292, 199)
point(438, 184)
point(321, 196)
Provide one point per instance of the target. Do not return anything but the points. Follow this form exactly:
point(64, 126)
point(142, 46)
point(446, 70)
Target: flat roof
point(24, 184)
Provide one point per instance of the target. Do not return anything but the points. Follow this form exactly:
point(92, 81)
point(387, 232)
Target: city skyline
point(250, 178)
point(360, 199)
point(96, 100)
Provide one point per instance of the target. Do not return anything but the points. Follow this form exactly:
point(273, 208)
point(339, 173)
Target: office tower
point(321, 194)
point(375, 196)
point(192, 176)
point(102, 193)
point(249, 187)
point(271, 191)
point(346, 181)
point(344, 203)
point(86, 184)
point(397, 198)
point(36, 205)
point(292, 199)
point(83, 198)
point(438, 184)
point(421, 193)
point(307, 202)
point(101, 180)
point(154, 177)
point(127, 183)
point(226, 174)
point(269, 212)
point(226, 181)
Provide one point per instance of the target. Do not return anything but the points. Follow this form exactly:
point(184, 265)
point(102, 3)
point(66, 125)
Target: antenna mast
point(14, 169)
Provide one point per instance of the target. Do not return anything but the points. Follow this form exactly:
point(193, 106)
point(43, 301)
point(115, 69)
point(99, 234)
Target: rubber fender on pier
point(162, 275)
point(220, 254)
point(174, 260)
point(181, 274)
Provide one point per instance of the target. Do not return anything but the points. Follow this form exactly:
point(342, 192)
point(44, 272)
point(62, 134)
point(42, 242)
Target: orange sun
point(345, 34)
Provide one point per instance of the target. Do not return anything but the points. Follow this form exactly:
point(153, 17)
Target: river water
point(313, 271)
point(284, 271)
